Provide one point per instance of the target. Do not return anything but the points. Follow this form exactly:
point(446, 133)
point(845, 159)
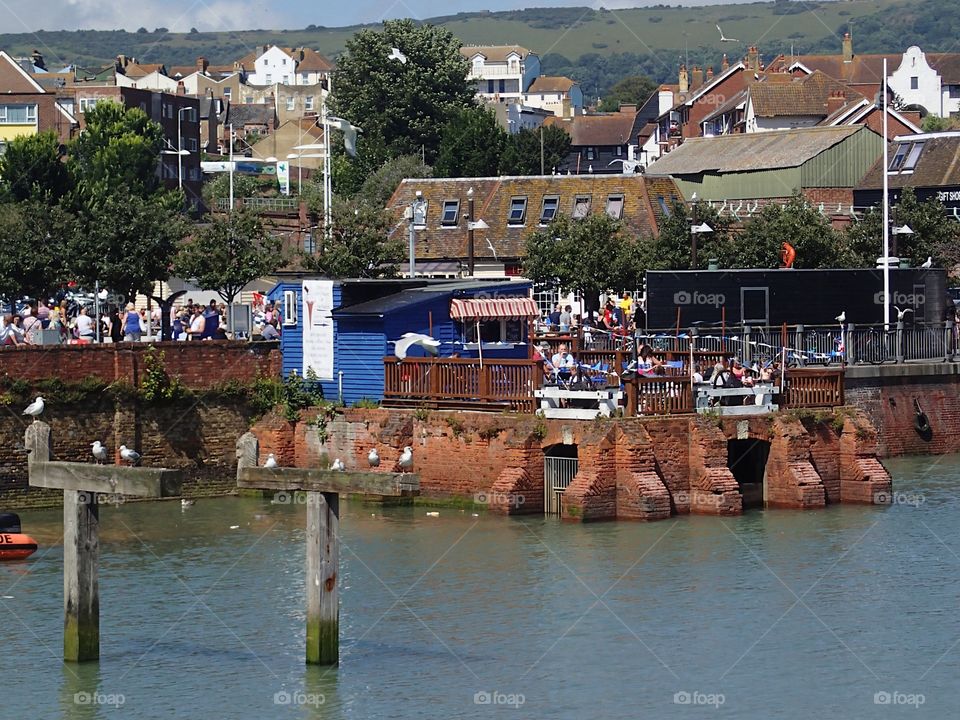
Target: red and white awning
point(516, 308)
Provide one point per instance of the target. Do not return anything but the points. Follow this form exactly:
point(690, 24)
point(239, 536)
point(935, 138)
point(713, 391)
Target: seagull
point(408, 340)
point(395, 54)
point(901, 313)
point(99, 452)
point(131, 456)
point(349, 134)
point(271, 461)
point(724, 38)
point(842, 317)
point(406, 460)
point(34, 409)
point(373, 458)
point(184, 503)
point(492, 249)
point(338, 465)
point(928, 263)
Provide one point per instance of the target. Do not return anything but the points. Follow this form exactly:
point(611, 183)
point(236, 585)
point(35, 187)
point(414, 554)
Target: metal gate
point(558, 473)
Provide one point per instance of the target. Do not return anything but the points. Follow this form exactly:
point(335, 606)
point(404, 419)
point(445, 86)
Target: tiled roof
point(548, 83)
point(492, 202)
point(249, 114)
point(307, 60)
point(749, 152)
point(494, 53)
point(139, 70)
point(803, 96)
point(938, 164)
point(597, 130)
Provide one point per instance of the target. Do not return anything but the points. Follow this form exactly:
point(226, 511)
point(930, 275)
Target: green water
point(776, 614)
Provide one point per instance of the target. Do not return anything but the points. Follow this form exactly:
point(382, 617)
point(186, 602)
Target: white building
point(501, 72)
point(286, 66)
point(558, 95)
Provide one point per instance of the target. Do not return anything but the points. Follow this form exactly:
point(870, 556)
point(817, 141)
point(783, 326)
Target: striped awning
point(515, 308)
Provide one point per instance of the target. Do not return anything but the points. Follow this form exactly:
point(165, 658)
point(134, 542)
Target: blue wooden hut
point(343, 329)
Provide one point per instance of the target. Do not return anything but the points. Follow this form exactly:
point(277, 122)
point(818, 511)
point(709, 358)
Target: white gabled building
point(273, 65)
point(501, 72)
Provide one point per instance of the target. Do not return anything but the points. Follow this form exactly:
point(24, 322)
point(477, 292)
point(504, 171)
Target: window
point(953, 91)
point(899, 156)
point(618, 151)
point(87, 104)
point(518, 211)
point(451, 213)
point(227, 93)
point(18, 114)
point(615, 206)
point(548, 211)
point(286, 79)
point(193, 145)
point(308, 102)
point(283, 61)
point(914, 82)
point(289, 307)
point(591, 153)
point(664, 208)
point(269, 79)
point(309, 244)
point(291, 102)
point(495, 331)
point(304, 78)
point(913, 156)
point(248, 100)
point(581, 207)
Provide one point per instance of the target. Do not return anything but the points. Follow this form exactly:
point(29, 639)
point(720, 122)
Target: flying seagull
point(99, 452)
point(373, 458)
point(395, 54)
point(271, 461)
point(928, 263)
point(406, 460)
point(349, 134)
point(901, 313)
point(629, 166)
point(409, 340)
point(338, 465)
point(34, 409)
point(131, 456)
point(842, 317)
point(724, 38)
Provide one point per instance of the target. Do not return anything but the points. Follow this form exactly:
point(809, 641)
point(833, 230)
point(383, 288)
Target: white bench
point(603, 402)
point(763, 399)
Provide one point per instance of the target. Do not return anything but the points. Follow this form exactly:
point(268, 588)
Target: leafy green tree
point(471, 144)
point(361, 246)
point(671, 249)
point(379, 187)
point(401, 107)
point(521, 152)
point(229, 253)
point(125, 241)
point(934, 235)
point(635, 90)
point(118, 148)
point(817, 244)
point(587, 255)
point(31, 233)
point(31, 168)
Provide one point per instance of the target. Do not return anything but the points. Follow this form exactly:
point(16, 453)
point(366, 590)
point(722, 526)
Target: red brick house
point(26, 108)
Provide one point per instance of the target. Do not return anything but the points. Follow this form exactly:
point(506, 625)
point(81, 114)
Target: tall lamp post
point(180, 150)
point(416, 215)
point(470, 229)
point(694, 231)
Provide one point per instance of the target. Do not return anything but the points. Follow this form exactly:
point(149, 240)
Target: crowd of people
point(618, 316)
point(77, 324)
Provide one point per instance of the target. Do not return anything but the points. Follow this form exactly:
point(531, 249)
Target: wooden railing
point(659, 396)
point(813, 388)
point(462, 383)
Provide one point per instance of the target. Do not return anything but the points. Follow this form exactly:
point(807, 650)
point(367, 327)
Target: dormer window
point(518, 211)
point(906, 156)
point(581, 207)
point(451, 213)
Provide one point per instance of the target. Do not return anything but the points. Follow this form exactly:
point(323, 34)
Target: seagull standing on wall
point(928, 264)
point(406, 459)
point(271, 461)
point(34, 409)
point(130, 456)
point(373, 458)
point(99, 452)
point(842, 317)
point(338, 465)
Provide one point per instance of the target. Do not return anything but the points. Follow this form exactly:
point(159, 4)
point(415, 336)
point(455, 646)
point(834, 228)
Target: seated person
point(563, 360)
point(697, 375)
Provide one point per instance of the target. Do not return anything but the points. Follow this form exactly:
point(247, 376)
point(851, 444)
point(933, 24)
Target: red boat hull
point(16, 546)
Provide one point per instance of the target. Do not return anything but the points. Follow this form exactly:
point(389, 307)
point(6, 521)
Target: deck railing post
point(948, 337)
point(434, 378)
point(798, 345)
point(900, 340)
point(745, 338)
point(848, 347)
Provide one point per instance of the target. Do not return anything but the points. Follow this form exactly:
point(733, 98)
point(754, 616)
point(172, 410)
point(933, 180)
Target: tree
point(521, 153)
point(229, 253)
point(471, 144)
point(671, 249)
point(31, 168)
point(934, 235)
point(633, 90)
point(31, 233)
point(379, 187)
point(361, 246)
point(587, 255)
point(401, 107)
point(817, 244)
point(125, 241)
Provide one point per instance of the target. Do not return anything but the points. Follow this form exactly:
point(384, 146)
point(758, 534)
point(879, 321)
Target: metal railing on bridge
point(262, 204)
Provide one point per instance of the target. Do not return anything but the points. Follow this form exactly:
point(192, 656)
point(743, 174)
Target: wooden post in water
point(322, 488)
point(82, 484)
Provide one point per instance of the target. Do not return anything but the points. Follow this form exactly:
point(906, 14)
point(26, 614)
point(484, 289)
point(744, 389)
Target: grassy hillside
point(595, 47)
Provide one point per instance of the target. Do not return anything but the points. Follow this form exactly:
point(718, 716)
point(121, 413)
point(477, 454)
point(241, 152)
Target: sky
point(17, 16)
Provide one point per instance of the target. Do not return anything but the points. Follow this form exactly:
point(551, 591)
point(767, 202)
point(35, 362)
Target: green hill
point(596, 47)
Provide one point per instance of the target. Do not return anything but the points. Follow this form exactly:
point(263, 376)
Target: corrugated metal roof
point(754, 151)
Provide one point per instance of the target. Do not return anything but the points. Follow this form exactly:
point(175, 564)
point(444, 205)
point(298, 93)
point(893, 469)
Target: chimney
point(753, 59)
point(835, 101)
point(847, 48)
point(181, 90)
point(38, 60)
point(724, 63)
point(696, 77)
point(683, 80)
point(122, 62)
point(202, 64)
point(710, 73)
point(265, 48)
point(630, 108)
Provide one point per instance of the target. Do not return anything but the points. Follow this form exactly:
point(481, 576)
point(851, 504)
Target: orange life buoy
point(16, 546)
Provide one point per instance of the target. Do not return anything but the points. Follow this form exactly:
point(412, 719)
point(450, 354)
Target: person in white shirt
point(197, 325)
point(84, 325)
point(562, 359)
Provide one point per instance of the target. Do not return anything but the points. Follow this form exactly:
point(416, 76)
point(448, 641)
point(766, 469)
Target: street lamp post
point(694, 231)
point(470, 227)
point(180, 147)
point(417, 210)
